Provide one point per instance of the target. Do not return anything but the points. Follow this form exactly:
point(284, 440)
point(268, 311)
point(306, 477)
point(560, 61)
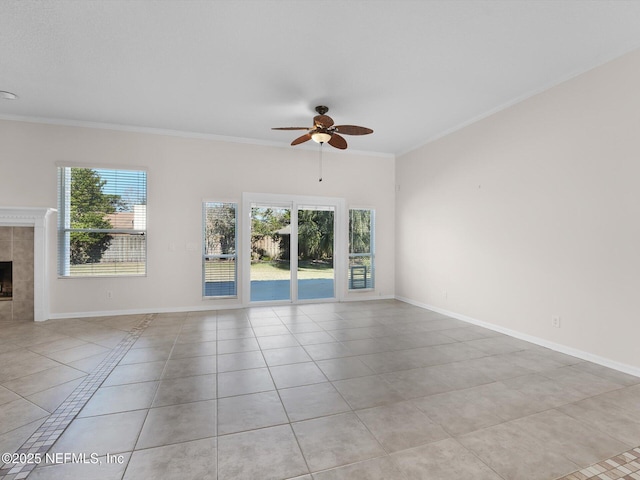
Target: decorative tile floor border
point(47, 434)
point(625, 466)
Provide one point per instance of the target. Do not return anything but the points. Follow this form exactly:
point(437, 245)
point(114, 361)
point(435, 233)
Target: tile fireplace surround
point(23, 234)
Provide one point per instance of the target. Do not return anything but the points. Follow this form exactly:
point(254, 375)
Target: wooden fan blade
point(304, 138)
point(322, 121)
point(290, 128)
point(353, 130)
point(337, 141)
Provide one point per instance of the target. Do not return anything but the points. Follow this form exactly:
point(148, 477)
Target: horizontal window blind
point(102, 222)
point(219, 263)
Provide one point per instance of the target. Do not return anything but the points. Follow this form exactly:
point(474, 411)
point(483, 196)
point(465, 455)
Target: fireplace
point(23, 245)
point(6, 280)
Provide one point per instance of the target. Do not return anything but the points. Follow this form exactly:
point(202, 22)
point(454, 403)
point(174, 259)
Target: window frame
point(64, 229)
point(206, 257)
point(370, 253)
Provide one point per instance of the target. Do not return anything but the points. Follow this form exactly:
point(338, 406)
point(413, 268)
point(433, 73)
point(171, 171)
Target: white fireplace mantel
point(37, 218)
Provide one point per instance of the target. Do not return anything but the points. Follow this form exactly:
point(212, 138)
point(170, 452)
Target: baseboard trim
point(142, 311)
point(574, 352)
point(199, 308)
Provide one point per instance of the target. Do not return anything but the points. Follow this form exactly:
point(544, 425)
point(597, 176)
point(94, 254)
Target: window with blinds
point(361, 272)
point(219, 259)
point(102, 222)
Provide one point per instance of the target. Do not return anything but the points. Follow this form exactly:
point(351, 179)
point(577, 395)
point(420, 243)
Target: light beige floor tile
point(334, 441)
point(366, 346)
point(198, 349)
point(51, 398)
point(88, 364)
point(237, 345)
point(178, 423)
point(235, 333)
point(464, 411)
point(7, 395)
point(626, 398)
point(464, 334)
point(25, 366)
point(189, 460)
point(249, 412)
point(443, 460)
point(115, 433)
point(297, 374)
point(606, 416)
point(324, 351)
point(497, 367)
point(546, 392)
point(18, 413)
point(400, 426)
point(381, 468)
point(173, 391)
point(277, 341)
point(148, 354)
point(269, 330)
point(195, 337)
point(365, 392)
point(43, 380)
point(515, 455)
point(243, 382)
point(12, 440)
point(155, 341)
point(583, 382)
point(111, 469)
point(268, 454)
point(120, 398)
point(580, 443)
point(135, 373)
point(184, 367)
point(240, 361)
point(608, 373)
point(312, 401)
point(285, 356)
point(393, 361)
point(498, 345)
point(312, 338)
point(63, 344)
point(342, 368)
point(77, 353)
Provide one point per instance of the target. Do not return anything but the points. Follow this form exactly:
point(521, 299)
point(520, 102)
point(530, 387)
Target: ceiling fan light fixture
point(320, 137)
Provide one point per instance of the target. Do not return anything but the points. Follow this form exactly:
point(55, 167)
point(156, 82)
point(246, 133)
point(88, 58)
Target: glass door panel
point(270, 272)
point(316, 277)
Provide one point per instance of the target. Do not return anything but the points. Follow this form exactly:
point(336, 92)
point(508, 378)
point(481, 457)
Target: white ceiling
point(410, 70)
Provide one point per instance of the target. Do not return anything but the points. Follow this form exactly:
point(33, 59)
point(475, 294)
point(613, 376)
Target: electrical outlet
point(555, 321)
point(109, 295)
point(445, 294)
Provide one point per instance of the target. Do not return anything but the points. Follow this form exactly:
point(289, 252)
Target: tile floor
point(366, 390)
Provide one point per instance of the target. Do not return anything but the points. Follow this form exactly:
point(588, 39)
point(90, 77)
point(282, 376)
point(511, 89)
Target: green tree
point(89, 209)
point(221, 228)
point(315, 234)
point(359, 231)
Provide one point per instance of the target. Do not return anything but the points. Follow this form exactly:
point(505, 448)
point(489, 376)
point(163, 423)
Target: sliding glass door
point(292, 243)
point(316, 275)
point(270, 252)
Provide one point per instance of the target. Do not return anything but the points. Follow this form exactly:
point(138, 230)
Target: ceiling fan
point(324, 131)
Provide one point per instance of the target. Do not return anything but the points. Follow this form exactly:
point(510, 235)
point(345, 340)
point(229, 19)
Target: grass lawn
point(280, 270)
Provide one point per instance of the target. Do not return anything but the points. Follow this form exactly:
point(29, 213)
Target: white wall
point(534, 212)
point(181, 173)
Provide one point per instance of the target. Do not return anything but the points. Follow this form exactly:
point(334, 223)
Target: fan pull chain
point(320, 165)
